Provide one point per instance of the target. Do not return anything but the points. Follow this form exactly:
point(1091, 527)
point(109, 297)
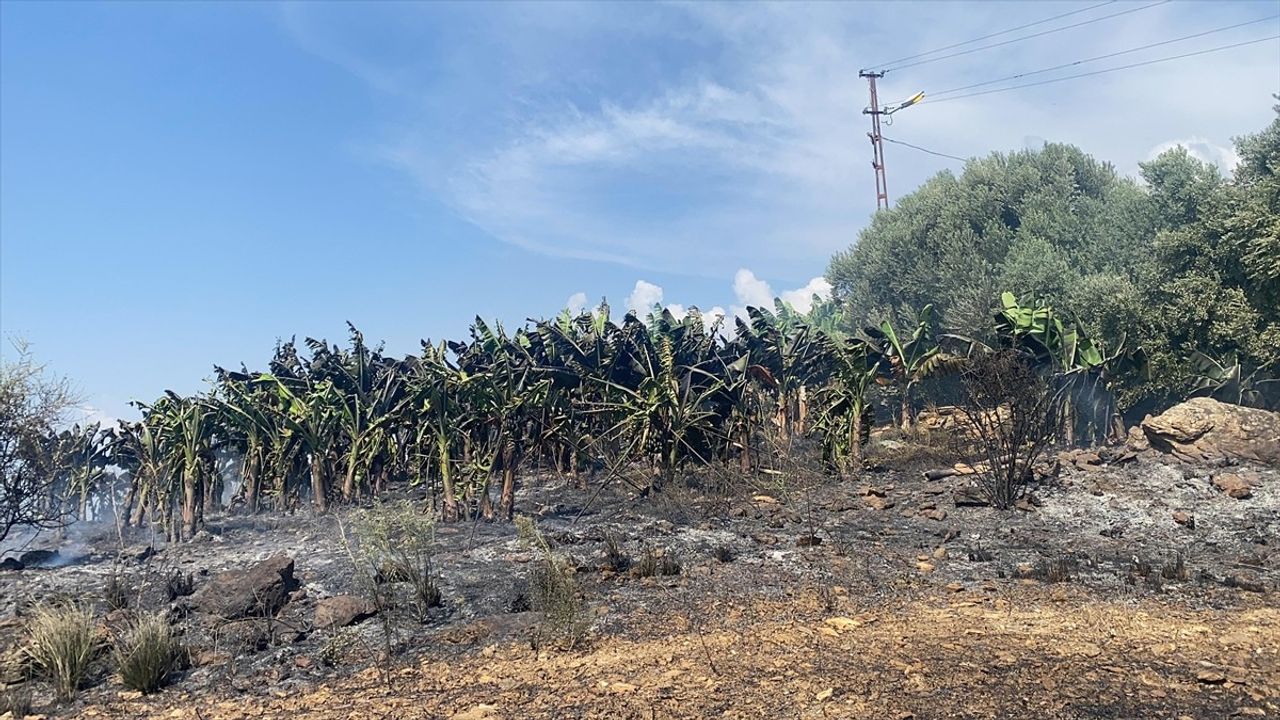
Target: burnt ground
point(799, 596)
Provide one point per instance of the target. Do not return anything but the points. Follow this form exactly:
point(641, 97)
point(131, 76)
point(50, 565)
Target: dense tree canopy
point(1186, 261)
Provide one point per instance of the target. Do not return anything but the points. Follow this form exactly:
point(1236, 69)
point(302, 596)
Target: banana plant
point(908, 362)
point(844, 417)
point(1231, 381)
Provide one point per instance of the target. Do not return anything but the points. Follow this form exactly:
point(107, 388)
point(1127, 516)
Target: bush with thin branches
point(553, 592)
point(1014, 411)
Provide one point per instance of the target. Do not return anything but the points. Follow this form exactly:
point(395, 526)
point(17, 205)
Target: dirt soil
point(799, 597)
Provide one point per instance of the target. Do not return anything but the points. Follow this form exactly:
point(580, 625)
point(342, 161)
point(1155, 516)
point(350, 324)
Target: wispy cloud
point(745, 144)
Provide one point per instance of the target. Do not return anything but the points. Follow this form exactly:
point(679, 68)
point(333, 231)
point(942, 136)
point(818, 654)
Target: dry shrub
point(655, 564)
point(396, 545)
point(61, 642)
point(1014, 411)
point(15, 702)
point(149, 653)
point(615, 558)
point(553, 591)
point(178, 584)
point(1175, 568)
point(116, 594)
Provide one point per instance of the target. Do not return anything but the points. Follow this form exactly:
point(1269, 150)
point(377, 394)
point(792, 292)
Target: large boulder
point(1205, 430)
point(258, 591)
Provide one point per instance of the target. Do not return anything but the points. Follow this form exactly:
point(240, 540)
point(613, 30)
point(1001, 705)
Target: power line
point(1028, 37)
point(995, 34)
point(924, 150)
point(1220, 48)
point(1101, 57)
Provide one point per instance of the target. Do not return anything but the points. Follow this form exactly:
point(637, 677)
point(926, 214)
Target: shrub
point(1014, 412)
point(615, 558)
point(178, 584)
point(655, 564)
point(116, 593)
point(396, 544)
point(61, 642)
point(149, 653)
point(553, 592)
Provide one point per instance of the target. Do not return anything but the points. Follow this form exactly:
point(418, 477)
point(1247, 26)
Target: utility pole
point(877, 142)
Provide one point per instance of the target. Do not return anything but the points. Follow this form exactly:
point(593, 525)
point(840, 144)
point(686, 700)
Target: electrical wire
point(1220, 48)
point(995, 34)
point(924, 150)
point(948, 91)
point(1042, 33)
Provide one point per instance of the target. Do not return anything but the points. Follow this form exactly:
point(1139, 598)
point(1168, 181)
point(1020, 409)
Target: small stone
point(1234, 485)
point(877, 502)
point(1211, 677)
point(825, 694)
point(1185, 518)
point(302, 661)
point(940, 553)
point(938, 514)
point(1090, 650)
point(925, 567)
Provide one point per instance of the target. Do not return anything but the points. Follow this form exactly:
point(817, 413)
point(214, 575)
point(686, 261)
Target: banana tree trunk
point(349, 481)
point(319, 485)
point(190, 488)
point(906, 408)
point(252, 479)
point(855, 441)
point(450, 510)
point(126, 513)
point(507, 502)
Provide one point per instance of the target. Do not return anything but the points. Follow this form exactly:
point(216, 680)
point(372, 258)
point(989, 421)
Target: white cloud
point(89, 414)
point(1203, 149)
point(677, 311)
point(750, 290)
point(643, 297)
point(576, 303)
point(802, 298)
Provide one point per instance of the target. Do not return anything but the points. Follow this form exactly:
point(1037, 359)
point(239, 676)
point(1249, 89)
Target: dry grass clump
point(178, 584)
point(553, 591)
point(15, 703)
point(655, 564)
point(149, 653)
point(61, 642)
point(116, 594)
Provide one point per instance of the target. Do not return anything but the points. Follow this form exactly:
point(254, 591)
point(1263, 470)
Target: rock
point(935, 514)
point(342, 610)
point(1238, 485)
point(1136, 440)
point(940, 553)
point(876, 502)
point(925, 567)
point(808, 541)
point(968, 496)
point(11, 564)
point(1205, 430)
point(256, 591)
point(1211, 677)
point(479, 712)
point(1185, 518)
point(38, 558)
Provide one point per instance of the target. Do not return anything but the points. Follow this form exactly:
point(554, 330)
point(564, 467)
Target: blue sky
point(183, 183)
